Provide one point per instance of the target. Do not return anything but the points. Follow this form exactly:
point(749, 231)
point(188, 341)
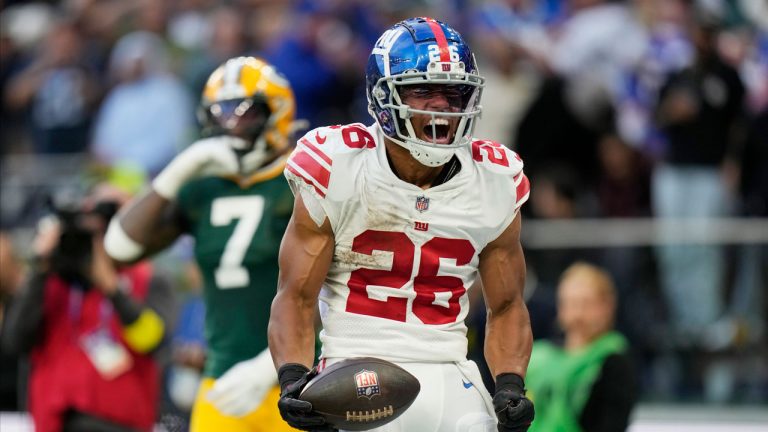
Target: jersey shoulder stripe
point(505, 166)
point(312, 161)
point(497, 158)
point(311, 164)
point(319, 153)
point(522, 189)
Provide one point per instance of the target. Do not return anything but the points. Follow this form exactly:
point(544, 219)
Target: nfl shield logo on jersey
point(367, 384)
point(422, 204)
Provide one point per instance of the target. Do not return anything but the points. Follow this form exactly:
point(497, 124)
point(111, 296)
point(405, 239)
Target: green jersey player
point(227, 191)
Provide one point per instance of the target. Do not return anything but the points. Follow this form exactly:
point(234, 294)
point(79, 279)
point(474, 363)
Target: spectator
point(90, 328)
point(146, 116)
point(669, 49)
point(59, 89)
point(585, 383)
point(699, 108)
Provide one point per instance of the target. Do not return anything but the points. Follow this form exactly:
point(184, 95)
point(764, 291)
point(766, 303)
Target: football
point(361, 393)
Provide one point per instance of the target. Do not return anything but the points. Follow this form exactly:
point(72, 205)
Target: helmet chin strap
point(430, 156)
point(427, 156)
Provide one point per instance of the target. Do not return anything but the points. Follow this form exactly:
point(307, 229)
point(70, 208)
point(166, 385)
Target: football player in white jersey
point(392, 224)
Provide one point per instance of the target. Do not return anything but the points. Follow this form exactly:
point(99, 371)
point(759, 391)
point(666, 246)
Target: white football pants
point(452, 399)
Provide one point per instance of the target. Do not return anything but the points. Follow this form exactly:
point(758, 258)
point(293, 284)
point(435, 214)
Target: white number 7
point(248, 209)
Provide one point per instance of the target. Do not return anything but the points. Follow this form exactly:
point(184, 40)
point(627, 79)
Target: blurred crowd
point(620, 109)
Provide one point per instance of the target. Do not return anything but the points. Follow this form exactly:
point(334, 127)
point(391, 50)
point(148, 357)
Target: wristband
point(289, 373)
point(119, 245)
point(510, 380)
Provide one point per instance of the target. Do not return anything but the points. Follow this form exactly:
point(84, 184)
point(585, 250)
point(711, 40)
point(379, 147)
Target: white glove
point(211, 156)
point(243, 387)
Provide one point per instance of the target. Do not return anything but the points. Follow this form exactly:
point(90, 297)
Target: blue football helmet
point(423, 52)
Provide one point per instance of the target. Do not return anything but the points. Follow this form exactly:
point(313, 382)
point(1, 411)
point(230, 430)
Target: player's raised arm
point(148, 224)
point(305, 256)
point(153, 221)
point(508, 339)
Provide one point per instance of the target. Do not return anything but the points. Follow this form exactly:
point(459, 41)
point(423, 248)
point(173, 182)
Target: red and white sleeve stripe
point(313, 166)
point(522, 190)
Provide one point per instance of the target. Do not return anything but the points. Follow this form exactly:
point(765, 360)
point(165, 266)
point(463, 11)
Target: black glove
point(298, 413)
point(514, 410)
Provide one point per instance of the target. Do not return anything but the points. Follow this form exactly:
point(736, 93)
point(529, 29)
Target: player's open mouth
point(438, 131)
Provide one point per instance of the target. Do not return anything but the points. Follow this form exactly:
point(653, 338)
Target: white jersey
point(404, 257)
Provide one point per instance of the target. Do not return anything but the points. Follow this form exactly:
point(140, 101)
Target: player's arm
point(305, 256)
point(508, 338)
point(145, 225)
point(152, 222)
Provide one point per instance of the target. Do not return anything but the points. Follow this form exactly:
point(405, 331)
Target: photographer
point(90, 328)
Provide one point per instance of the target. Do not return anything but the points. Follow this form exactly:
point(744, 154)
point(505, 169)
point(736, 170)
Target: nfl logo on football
point(422, 204)
point(367, 383)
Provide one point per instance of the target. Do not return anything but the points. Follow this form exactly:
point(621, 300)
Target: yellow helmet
point(248, 98)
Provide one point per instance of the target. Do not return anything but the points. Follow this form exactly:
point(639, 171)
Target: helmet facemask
point(455, 122)
point(245, 121)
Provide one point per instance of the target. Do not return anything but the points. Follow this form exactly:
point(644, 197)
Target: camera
point(72, 257)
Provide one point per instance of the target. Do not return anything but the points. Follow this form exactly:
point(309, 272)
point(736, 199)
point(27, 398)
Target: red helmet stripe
point(442, 42)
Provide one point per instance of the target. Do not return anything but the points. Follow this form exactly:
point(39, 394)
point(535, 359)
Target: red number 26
point(426, 283)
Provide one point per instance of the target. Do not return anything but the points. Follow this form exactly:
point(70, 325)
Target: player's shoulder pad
point(496, 157)
point(499, 160)
point(312, 161)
